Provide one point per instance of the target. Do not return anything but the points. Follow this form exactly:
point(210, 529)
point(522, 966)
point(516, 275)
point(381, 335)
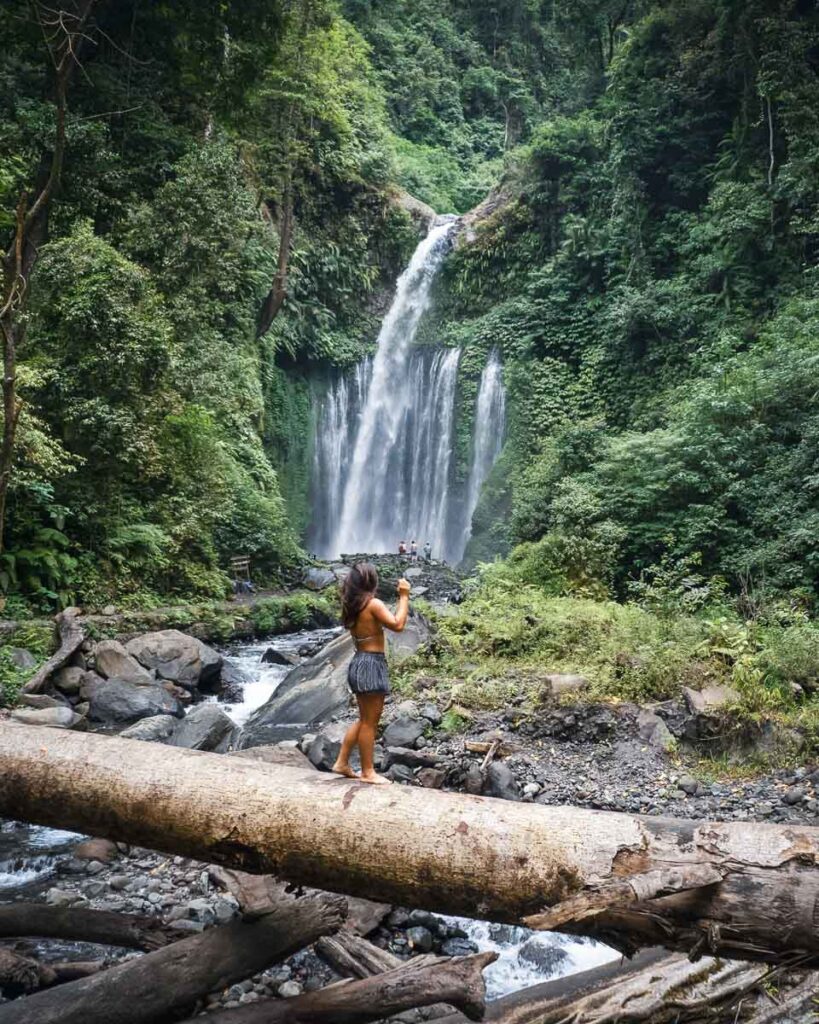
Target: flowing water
point(384, 438)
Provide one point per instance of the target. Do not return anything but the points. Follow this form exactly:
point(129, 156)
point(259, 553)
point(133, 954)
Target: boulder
point(203, 728)
point(233, 680)
point(113, 661)
point(547, 958)
point(403, 731)
point(324, 749)
point(709, 699)
point(273, 657)
point(431, 778)
point(654, 731)
point(276, 753)
point(566, 683)
point(42, 700)
point(173, 655)
point(308, 696)
point(53, 718)
point(102, 850)
point(432, 714)
point(120, 702)
point(501, 783)
point(152, 730)
point(23, 659)
point(400, 773)
point(68, 679)
point(415, 634)
point(318, 579)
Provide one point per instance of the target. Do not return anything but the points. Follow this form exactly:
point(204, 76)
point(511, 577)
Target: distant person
point(427, 552)
point(365, 616)
point(402, 548)
point(414, 551)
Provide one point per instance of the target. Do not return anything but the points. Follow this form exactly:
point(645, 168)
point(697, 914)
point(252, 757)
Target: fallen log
point(423, 981)
point(740, 889)
point(71, 635)
point(23, 920)
point(353, 957)
point(163, 985)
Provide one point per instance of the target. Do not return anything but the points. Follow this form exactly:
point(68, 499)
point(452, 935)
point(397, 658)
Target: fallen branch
point(353, 957)
point(163, 985)
point(71, 636)
point(20, 920)
point(422, 981)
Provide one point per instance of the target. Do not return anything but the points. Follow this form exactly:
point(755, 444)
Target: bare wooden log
point(71, 636)
point(354, 957)
point(419, 982)
point(743, 890)
point(71, 970)
point(20, 920)
point(19, 973)
point(161, 986)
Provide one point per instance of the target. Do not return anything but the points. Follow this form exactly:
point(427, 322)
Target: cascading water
point(487, 441)
point(384, 435)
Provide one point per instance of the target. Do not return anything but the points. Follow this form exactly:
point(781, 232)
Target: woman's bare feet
point(374, 779)
point(344, 769)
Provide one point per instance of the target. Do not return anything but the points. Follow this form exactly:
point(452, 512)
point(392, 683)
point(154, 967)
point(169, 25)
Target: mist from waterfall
point(383, 452)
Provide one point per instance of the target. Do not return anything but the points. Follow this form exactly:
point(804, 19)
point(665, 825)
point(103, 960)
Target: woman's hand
point(404, 588)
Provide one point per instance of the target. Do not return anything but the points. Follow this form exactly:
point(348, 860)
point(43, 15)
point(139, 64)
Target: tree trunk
point(22, 920)
point(71, 636)
point(419, 982)
point(744, 890)
point(278, 290)
point(353, 957)
point(161, 986)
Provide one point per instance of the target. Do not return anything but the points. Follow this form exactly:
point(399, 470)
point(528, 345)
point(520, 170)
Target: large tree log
point(71, 635)
point(746, 890)
point(419, 982)
point(18, 920)
point(161, 986)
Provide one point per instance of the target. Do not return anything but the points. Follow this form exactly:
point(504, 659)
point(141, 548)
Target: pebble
point(289, 989)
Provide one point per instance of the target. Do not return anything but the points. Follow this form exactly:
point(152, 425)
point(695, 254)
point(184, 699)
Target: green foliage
point(295, 611)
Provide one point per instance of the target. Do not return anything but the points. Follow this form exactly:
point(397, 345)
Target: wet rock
point(420, 939)
point(173, 655)
point(458, 947)
point(203, 728)
point(400, 773)
point(309, 695)
point(403, 731)
point(112, 660)
point(51, 718)
point(68, 679)
point(119, 702)
point(501, 783)
point(273, 657)
point(232, 681)
point(324, 749)
point(152, 730)
point(318, 579)
point(546, 958)
point(431, 778)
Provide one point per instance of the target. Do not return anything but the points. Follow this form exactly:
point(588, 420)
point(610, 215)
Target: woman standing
point(366, 617)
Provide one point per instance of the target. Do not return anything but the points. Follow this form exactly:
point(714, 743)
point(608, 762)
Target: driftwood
point(739, 889)
point(163, 985)
point(71, 636)
point(422, 981)
point(19, 920)
point(353, 957)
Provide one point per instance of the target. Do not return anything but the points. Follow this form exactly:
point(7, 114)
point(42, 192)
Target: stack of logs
point(706, 891)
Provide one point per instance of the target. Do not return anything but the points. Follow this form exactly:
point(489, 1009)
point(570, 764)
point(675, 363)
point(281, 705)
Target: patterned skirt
point(368, 673)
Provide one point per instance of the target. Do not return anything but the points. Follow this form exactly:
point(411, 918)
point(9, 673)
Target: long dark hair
point(359, 586)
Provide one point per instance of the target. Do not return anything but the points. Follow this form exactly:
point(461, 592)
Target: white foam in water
point(546, 955)
point(24, 843)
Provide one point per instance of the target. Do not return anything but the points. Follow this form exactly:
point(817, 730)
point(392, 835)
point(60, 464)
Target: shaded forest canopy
point(649, 275)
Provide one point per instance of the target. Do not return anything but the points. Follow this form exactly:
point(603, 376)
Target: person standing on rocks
point(414, 551)
point(366, 617)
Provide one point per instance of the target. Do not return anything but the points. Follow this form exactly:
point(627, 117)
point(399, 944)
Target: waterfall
point(490, 423)
point(389, 474)
point(384, 435)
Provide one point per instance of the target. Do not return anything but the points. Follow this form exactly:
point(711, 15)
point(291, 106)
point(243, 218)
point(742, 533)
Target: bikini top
point(363, 639)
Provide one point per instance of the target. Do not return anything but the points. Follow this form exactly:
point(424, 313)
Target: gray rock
point(68, 679)
point(420, 938)
point(288, 989)
point(60, 898)
point(203, 728)
point(458, 947)
point(414, 635)
point(119, 702)
point(709, 698)
point(688, 784)
point(793, 795)
point(273, 657)
point(547, 958)
point(52, 718)
point(113, 661)
point(153, 730)
point(432, 714)
point(566, 683)
point(318, 579)
point(431, 778)
point(403, 731)
point(173, 655)
point(654, 731)
point(187, 926)
point(23, 659)
point(400, 773)
point(309, 695)
point(501, 783)
point(42, 700)
point(233, 680)
point(411, 758)
point(276, 753)
point(473, 783)
point(324, 749)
